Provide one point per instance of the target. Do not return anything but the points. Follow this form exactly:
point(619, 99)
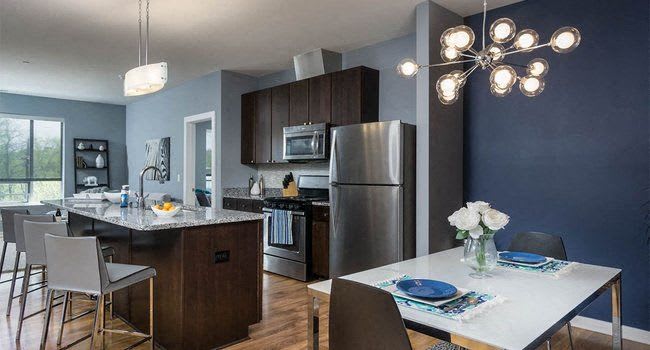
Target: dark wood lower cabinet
point(200, 302)
point(320, 232)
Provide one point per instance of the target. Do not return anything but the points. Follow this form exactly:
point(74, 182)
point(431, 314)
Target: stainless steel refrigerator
point(372, 196)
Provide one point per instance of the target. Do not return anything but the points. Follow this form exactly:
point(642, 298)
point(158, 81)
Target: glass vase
point(480, 255)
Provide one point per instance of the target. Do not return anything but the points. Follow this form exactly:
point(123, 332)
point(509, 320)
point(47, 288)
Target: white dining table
point(535, 306)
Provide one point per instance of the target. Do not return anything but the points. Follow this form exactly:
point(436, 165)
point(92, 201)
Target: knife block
point(291, 190)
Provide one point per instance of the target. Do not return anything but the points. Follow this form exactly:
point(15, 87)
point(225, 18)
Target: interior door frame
point(189, 157)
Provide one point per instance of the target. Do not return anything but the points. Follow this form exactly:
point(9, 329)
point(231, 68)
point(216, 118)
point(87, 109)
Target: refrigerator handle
point(333, 160)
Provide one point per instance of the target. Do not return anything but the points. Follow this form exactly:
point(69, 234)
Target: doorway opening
point(200, 166)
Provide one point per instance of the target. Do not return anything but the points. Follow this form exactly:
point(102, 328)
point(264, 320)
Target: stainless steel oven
point(288, 260)
point(306, 142)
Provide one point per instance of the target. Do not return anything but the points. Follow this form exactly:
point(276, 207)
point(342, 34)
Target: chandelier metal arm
point(527, 49)
point(484, 18)
point(139, 33)
point(470, 71)
point(448, 63)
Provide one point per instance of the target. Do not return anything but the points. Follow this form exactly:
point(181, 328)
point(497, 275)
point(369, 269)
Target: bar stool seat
point(123, 275)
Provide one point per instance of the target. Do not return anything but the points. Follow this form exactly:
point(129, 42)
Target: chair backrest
point(539, 243)
point(364, 317)
point(202, 199)
point(35, 239)
point(75, 264)
point(19, 219)
point(8, 234)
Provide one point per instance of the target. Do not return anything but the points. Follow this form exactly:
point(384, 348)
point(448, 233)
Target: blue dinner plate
point(429, 289)
point(522, 257)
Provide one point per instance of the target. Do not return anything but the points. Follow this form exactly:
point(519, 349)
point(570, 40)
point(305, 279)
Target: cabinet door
point(248, 128)
point(320, 99)
point(320, 242)
point(263, 126)
point(279, 119)
point(346, 97)
point(244, 204)
point(230, 203)
point(299, 102)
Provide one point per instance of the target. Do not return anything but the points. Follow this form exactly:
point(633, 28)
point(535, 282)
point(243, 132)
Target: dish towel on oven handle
point(281, 230)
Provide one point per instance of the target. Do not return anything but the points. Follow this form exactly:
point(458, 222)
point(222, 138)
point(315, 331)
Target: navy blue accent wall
point(573, 161)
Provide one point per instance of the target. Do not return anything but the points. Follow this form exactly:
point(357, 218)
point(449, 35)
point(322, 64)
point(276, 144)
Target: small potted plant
point(477, 224)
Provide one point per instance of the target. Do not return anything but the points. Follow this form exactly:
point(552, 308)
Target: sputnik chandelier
point(457, 43)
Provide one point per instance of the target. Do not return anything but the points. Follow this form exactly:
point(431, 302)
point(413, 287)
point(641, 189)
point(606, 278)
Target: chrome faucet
point(140, 196)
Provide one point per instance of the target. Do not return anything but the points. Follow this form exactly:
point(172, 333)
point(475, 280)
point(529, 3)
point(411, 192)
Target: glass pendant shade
point(449, 54)
point(531, 86)
point(496, 50)
point(445, 38)
point(447, 85)
point(525, 39)
point(565, 39)
point(503, 77)
point(503, 30)
point(458, 74)
point(407, 68)
point(448, 100)
point(146, 79)
point(461, 37)
point(496, 91)
point(537, 67)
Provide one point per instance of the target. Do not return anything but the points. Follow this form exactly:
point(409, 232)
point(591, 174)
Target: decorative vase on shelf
point(81, 146)
point(476, 224)
point(480, 255)
point(102, 148)
point(99, 161)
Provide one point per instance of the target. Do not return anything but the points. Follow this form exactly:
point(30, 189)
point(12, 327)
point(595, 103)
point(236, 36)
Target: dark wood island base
point(208, 288)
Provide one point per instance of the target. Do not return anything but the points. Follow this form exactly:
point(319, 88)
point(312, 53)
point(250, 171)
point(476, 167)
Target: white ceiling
point(77, 49)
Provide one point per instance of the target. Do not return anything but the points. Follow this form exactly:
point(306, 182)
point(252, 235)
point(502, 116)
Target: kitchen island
point(208, 287)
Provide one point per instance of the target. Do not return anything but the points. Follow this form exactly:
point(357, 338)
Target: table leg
point(312, 323)
point(617, 342)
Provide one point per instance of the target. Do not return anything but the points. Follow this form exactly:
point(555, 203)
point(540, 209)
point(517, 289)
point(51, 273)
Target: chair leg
point(2, 258)
point(93, 337)
point(151, 313)
point(23, 300)
point(66, 300)
point(568, 326)
point(48, 314)
point(548, 344)
point(102, 323)
point(13, 283)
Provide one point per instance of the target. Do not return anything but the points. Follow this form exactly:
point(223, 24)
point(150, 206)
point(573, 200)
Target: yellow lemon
point(168, 205)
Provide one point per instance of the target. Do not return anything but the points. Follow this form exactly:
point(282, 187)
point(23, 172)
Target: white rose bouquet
point(477, 219)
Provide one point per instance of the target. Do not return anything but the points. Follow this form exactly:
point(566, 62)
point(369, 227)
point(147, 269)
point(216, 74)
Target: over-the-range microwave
point(306, 142)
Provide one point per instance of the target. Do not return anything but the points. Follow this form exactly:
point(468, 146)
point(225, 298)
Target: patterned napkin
point(553, 267)
point(460, 307)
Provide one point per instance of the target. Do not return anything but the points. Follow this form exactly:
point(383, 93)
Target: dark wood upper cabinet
point(248, 128)
point(355, 96)
point(299, 102)
point(320, 99)
point(263, 126)
point(279, 119)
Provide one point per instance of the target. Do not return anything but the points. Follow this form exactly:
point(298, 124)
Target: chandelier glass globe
point(565, 39)
point(526, 39)
point(503, 77)
point(531, 85)
point(537, 67)
point(447, 85)
point(496, 91)
point(407, 68)
point(503, 30)
point(449, 54)
point(462, 38)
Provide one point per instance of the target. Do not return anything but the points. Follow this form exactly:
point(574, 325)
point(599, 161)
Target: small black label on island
point(221, 256)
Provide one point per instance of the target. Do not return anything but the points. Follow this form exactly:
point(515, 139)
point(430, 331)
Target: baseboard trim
point(604, 327)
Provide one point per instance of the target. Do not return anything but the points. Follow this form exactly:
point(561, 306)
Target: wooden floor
point(284, 325)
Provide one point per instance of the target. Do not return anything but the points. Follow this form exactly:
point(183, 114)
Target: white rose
point(464, 219)
point(478, 206)
point(495, 220)
point(476, 232)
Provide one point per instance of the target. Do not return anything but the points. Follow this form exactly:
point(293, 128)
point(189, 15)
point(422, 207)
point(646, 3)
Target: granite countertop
point(242, 193)
point(145, 219)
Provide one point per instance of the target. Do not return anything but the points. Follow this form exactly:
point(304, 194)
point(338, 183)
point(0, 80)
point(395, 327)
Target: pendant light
point(457, 42)
point(147, 78)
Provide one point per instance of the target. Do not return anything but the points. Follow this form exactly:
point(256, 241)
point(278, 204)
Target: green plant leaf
point(461, 234)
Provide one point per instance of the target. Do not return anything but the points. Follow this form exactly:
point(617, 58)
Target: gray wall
point(81, 120)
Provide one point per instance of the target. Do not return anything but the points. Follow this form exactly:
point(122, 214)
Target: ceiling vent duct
point(316, 62)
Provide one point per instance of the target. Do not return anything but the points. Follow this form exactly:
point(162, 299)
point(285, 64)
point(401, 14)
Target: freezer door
point(368, 154)
point(365, 227)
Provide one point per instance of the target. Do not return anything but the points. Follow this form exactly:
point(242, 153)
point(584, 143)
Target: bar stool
point(8, 234)
point(19, 219)
point(34, 233)
point(75, 264)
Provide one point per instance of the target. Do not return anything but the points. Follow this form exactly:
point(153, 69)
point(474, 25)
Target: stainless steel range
point(287, 246)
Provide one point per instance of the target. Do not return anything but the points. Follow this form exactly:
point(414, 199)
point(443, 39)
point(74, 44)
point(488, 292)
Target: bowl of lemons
point(165, 210)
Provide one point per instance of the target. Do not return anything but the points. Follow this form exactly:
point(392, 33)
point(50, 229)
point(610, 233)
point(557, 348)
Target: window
point(30, 160)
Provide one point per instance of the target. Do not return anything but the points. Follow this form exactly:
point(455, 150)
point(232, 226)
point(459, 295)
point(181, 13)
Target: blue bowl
point(428, 289)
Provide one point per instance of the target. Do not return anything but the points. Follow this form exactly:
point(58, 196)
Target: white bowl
point(166, 214)
point(93, 196)
point(113, 197)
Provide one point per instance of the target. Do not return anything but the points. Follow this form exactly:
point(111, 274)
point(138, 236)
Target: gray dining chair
point(76, 264)
point(34, 233)
point(545, 244)
point(365, 317)
point(19, 219)
point(8, 234)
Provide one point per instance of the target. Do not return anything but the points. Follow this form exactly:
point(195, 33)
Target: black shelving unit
point(89, 155)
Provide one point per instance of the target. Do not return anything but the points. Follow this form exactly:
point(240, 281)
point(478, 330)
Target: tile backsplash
point(274, 173)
